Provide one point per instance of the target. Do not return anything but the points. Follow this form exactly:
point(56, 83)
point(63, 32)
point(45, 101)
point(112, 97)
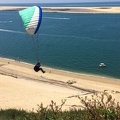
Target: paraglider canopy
point(31, 18)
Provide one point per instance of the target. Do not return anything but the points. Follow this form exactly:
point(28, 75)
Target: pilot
point(37, 67)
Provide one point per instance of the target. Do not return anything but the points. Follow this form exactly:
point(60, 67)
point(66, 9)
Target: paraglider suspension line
point(36, 50)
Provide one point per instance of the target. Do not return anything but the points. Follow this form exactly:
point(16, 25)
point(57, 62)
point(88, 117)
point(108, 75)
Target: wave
point(57, 18)
point(78, 37)
point(5, 21)
point(11, 31)
point(67, 36)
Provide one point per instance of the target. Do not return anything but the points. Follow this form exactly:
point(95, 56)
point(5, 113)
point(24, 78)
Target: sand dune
point(22, 88)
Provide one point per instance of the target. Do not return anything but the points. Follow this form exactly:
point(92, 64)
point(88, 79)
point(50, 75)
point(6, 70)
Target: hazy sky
point(51, 1)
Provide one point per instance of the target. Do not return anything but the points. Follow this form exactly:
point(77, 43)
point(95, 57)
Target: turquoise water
point(74, 42)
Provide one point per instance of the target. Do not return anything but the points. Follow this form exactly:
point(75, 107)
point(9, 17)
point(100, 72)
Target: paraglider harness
point(37, 67)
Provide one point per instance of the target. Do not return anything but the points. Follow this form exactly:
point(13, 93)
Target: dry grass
point(101, 106)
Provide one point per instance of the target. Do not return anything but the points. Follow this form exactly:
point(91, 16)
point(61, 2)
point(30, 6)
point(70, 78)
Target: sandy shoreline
point(70, 9)
point(22, 88)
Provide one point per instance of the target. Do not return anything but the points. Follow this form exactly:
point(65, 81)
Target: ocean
point(72, 42)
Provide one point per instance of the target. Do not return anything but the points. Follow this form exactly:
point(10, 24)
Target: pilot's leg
point(42, 70)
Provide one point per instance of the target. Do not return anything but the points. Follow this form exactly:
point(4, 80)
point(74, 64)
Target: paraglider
point(32, 17)
point(37, 68)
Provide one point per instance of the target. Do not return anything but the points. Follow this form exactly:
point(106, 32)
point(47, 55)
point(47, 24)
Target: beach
point(69, 9)
point(23, 88)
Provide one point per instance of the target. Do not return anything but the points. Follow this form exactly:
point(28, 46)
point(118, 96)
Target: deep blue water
point(74, 42)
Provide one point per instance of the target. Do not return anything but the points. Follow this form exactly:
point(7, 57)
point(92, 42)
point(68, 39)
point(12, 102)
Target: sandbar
point(99, 10)
point(82, 9)
point(23, 88)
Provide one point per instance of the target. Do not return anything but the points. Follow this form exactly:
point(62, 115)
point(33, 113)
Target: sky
point(52, 1)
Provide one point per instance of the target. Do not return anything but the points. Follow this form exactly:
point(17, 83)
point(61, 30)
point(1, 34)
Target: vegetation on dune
point(101, 106)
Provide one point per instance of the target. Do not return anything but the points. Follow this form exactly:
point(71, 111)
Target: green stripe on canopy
point(26, 15)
